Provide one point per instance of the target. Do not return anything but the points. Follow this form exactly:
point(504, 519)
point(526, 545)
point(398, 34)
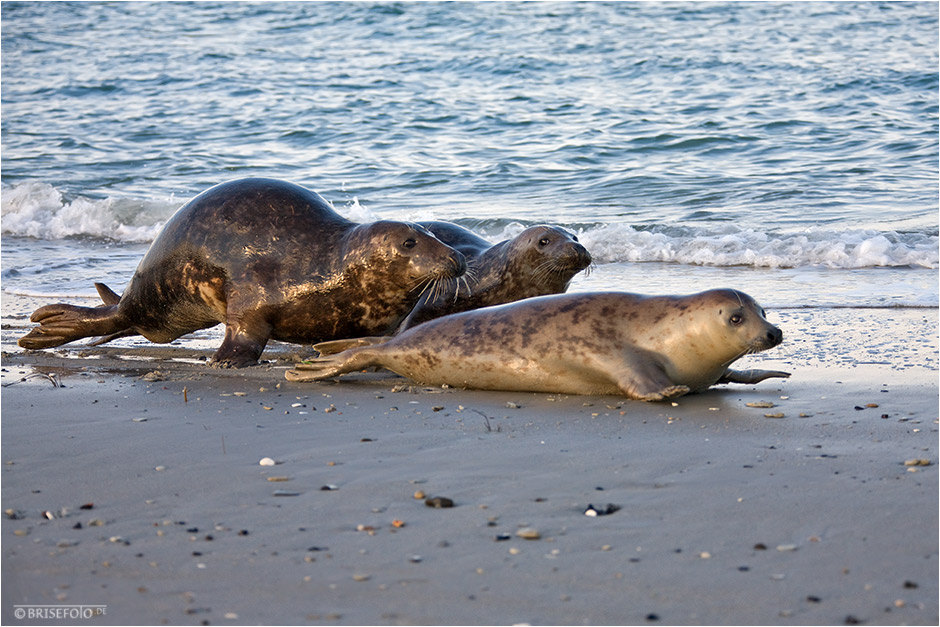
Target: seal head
point(539, 261)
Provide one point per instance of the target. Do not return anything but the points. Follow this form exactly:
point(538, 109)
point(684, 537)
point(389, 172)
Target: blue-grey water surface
point(790, 149)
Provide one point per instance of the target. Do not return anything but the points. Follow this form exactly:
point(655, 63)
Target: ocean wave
point(40, 211)
point(734, 246)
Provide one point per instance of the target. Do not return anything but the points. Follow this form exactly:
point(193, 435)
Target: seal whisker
point(443, 286)
point(423, 283)
point(466, 283)
point(542, 272)
point(549, 272)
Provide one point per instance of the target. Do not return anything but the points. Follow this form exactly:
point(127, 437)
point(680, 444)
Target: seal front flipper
point(651, 393)
point(750, 376)
point(641, 378)
point(243, 344)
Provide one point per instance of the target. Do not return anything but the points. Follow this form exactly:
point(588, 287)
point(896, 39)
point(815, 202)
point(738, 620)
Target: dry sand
point(726, 516)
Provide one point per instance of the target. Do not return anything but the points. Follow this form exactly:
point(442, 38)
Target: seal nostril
point(775, 336)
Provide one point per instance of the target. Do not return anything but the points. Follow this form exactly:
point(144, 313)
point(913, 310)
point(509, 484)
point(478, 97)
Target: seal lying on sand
point(539, 261)
point(643, 347)
point(269, 259)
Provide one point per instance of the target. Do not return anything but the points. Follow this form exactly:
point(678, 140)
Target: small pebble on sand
point(439, 502)
point(760, 404)
point(529, 533)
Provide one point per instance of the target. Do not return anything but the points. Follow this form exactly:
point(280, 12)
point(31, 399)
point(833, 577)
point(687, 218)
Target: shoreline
point(725, 516)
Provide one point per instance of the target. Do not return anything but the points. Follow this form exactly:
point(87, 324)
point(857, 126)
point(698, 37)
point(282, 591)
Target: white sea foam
point(733, 246)
point(354, 211)
point(38, 210)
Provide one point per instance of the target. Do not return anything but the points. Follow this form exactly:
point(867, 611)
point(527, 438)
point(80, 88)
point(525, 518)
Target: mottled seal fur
point(270, 260)
point(643, 347)
point(539, 261)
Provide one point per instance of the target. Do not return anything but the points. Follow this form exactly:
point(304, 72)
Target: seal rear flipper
point(750, 376)
point(61, 323)
point(113, 336)
point(332, 366)
point(337, 346)
point(107, 295)
point(304, 373)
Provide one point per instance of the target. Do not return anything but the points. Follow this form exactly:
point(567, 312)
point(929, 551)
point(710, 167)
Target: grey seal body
point(642, 347)
point(539, 261)
point(270, 260)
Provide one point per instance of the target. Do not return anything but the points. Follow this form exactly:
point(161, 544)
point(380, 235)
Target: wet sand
point(726, 516)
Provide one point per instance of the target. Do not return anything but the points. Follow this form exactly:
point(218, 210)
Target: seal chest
point(269, 259)
point(642, 347)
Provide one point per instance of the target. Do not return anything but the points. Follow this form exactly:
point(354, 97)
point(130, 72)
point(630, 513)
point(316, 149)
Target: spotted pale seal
point(539, 261)
point(642, 347)
point(269, 259)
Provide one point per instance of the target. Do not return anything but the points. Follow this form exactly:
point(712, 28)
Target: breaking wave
point(38, 210)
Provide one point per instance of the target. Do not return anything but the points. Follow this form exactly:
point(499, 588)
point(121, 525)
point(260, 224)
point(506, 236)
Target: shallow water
point(790, 150)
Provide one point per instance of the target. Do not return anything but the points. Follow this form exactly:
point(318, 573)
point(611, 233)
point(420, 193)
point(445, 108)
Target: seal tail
point(61, 323)
point(334, 365)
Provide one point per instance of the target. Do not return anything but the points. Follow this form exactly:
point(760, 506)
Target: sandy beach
point(787, 150)
point(136, 485)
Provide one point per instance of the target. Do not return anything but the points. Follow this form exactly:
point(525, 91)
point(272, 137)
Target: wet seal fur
point(646, 348)
point(270, 260)
point(540, 261)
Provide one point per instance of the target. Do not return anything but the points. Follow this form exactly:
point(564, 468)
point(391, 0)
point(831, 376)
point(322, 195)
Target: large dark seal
point(643, 347)
point(269, 259)
point(539, 261)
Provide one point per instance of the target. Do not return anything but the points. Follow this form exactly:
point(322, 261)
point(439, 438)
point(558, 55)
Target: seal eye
point(544, 242)
point(736, 319)
point(410, 243)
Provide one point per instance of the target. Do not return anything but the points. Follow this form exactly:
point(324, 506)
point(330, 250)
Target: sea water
point(787, 149)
